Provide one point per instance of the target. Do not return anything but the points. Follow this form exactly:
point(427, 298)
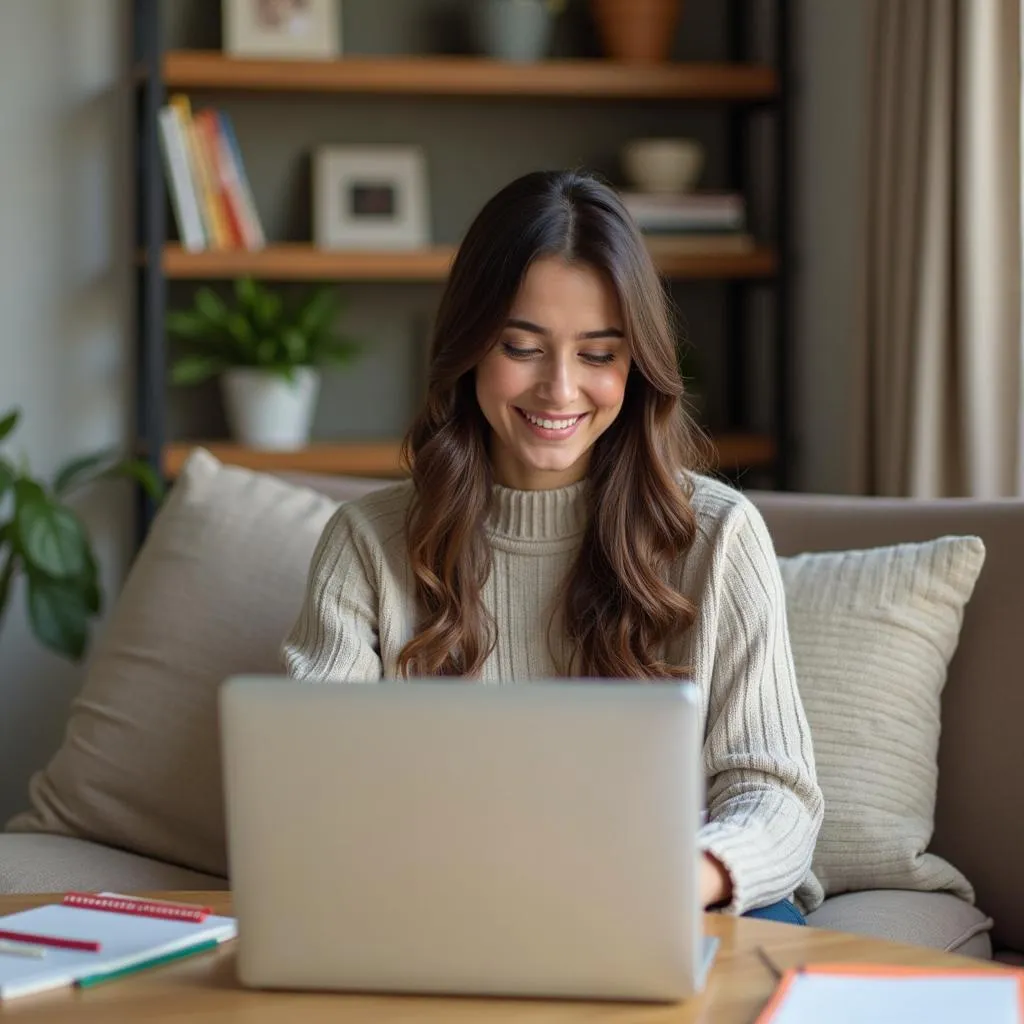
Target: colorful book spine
point(179, 181)
point(238, 185)
point(213, 218)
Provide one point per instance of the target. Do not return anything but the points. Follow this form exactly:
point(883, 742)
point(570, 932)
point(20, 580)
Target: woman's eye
point(602, 359)
point(518, 351)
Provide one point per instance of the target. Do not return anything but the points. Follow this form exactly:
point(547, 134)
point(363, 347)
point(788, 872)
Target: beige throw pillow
point(213, 592)
point(873, 633)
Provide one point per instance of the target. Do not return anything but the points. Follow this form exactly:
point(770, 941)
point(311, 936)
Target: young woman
point(554, 524)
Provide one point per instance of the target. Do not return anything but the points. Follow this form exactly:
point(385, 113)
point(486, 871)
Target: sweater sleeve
point(764, 803)
point(335, 638)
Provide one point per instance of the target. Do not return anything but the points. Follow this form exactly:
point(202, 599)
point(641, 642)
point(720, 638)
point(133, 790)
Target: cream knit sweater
point(764, 804)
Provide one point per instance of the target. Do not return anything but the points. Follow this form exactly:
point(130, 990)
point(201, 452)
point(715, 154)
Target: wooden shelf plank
point(382, 458)
point(290, 261)
point(473, 76)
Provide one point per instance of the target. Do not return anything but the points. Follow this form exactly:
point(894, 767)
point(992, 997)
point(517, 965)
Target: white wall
point(830, 48)
point(64, 297)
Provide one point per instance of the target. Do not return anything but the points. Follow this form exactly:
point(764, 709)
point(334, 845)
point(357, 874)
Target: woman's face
point(556, 378)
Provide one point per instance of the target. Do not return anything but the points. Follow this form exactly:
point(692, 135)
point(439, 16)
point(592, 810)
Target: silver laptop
point(534, 839)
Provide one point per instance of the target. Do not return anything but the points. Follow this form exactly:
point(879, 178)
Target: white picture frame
point(370, 197)
point(286, 29)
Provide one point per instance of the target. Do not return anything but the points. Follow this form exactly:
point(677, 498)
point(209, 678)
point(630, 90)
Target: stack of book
point(691, 222)
point(209, 188)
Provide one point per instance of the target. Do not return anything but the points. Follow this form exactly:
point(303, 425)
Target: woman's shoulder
point(375, 518)
point(721, 510)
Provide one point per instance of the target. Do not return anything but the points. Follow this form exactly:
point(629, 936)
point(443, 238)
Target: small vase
point(516, 30)
point(640, 31)
point(264, 410)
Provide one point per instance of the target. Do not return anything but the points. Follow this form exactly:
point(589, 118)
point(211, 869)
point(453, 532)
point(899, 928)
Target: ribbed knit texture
point(764, 804)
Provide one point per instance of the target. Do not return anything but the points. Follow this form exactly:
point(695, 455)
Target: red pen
point(82, 945)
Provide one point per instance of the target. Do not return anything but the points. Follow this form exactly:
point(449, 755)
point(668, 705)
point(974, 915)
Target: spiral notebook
point(127, 942)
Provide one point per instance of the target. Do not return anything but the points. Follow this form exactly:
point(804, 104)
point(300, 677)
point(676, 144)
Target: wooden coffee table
point(204, 989)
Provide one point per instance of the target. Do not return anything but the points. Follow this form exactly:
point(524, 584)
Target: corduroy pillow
point(213, 592)
point(873, 633)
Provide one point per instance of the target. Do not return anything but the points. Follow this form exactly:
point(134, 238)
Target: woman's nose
point(560, 386)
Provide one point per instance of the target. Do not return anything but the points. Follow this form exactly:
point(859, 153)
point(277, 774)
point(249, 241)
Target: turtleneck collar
point(520, 518)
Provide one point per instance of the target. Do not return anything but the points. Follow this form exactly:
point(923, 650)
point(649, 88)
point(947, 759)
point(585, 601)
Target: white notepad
point(125, 940)
point(897, 996)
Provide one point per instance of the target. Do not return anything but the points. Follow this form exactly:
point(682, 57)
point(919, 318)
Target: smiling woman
point(557, 524)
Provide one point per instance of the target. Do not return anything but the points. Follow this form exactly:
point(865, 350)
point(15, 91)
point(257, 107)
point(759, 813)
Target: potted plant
point(518, 30)
point(42, 538)
point(267, 352)
point(639, 31)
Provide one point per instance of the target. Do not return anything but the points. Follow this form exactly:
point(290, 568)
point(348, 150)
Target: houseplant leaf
point(50, 536)
point(142, 473)
point(319, 312)
point(188, 324)
point(79, 471)
point(8, 423)
point(195, 369)
point(59, 614)
point(212, 306)
point(7, 477)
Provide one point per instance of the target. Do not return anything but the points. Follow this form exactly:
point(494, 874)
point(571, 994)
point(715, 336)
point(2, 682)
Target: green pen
point(157, 961)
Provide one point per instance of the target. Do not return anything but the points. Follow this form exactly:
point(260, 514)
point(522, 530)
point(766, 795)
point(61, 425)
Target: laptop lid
point(444, 837)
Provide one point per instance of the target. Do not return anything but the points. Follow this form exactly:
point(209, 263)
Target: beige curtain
point(939, 402)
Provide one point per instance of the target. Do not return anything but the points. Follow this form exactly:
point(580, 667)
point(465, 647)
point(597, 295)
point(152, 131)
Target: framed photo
point(370, 197)
point(282, 28)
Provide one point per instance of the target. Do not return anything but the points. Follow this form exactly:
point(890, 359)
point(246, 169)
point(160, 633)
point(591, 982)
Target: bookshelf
point(736, 89)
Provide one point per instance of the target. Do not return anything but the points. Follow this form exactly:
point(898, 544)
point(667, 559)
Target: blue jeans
point(784, 911)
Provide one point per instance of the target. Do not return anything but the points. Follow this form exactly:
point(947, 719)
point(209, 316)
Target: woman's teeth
point(552, 424)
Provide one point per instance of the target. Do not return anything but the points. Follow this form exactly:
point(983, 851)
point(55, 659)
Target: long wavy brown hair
point(619, 608)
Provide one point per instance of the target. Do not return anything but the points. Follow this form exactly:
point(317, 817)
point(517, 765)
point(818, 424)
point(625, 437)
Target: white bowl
point(663, 165)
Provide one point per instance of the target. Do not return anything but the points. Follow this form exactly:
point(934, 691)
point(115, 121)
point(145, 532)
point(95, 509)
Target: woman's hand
point(715, 883)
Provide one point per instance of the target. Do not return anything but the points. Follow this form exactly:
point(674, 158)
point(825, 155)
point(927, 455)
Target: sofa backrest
point(979, 822)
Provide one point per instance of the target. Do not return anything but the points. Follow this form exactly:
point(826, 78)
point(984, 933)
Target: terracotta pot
point(641, 31)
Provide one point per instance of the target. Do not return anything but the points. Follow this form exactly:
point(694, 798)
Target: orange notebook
point(883, 994)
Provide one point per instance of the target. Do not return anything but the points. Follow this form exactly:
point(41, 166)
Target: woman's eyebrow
point(532, 328)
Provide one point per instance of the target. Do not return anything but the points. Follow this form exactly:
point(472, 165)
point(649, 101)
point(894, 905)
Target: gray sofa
point(978, 823)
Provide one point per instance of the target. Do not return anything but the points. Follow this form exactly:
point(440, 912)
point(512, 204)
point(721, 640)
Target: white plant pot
point(264, 410)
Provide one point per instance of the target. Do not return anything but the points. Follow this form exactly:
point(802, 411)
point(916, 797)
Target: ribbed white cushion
point(872, 633)
point(213, 592)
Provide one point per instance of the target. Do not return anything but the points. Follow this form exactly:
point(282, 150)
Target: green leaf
point(9, 422)
point(7, 477)
point(142, 473)
point(296, 345)
point(59, 613)
point(319, 313)
point(195, 369)
point(51, 537)
point(188, 325)
point(247, 291)
point(241, 329)
point(92, 594)
point(79, 471)
point(212, 306)
point(268, 309)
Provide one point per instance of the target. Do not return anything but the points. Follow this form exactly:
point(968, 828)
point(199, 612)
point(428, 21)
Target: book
point(128, 942)
point(887, 994)
point(179, 181)
point(237, 183)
